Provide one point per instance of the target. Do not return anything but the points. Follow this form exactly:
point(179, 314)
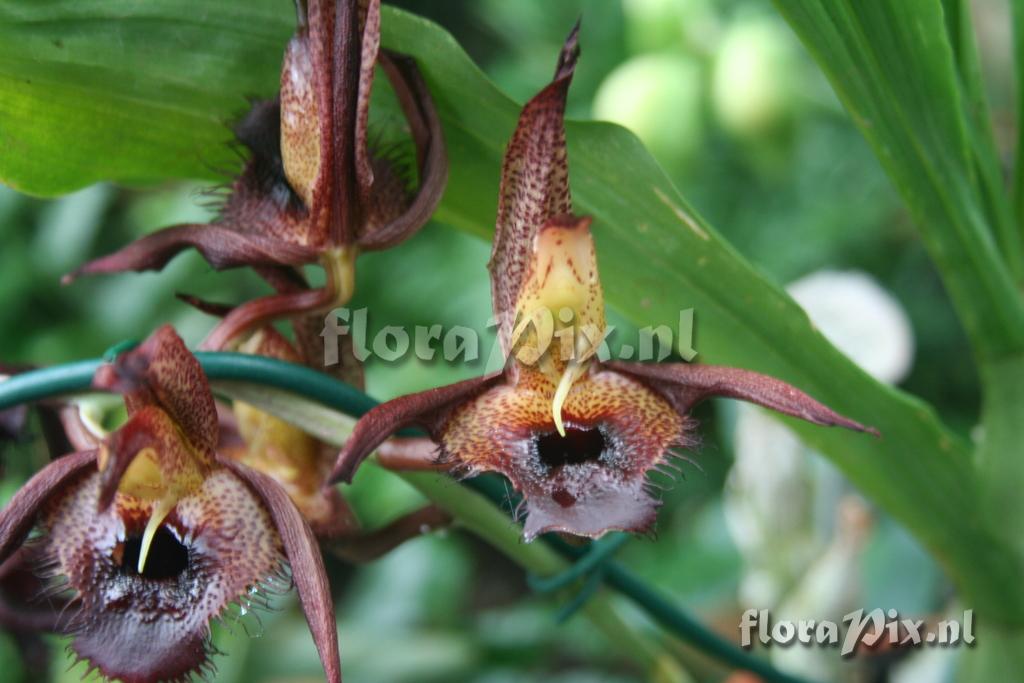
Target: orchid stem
point(474, 509)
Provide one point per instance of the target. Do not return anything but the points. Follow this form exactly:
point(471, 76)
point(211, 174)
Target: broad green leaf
point(135, 92)
point(893, 66)
point(657, 256)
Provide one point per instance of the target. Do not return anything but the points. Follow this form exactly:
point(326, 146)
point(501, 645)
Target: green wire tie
point(599, 552)
point(589, 566)
point(111, 354)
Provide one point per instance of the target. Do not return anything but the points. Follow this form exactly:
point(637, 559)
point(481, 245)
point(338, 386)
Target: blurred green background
point(726, 99)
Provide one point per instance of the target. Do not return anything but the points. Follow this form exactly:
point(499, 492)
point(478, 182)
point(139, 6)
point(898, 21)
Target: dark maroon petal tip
point(686, 385)
point(18, 517)
point(222, 246)
point(425, 409)
point(308, 572)
point(569, 54)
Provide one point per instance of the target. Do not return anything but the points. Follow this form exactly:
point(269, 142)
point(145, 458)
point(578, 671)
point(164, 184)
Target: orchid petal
point(686, 385)
point(19, 515)
point(76, 431)
point(308, 572)
point(334, 44)
point(216, 547)
point(425, 124)
point(592, 479)
point(222, 246)
point(427, 409)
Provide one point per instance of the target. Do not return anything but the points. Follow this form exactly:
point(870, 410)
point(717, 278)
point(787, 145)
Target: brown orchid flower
point(575, 435)
point(156, 534)
point(312, 191)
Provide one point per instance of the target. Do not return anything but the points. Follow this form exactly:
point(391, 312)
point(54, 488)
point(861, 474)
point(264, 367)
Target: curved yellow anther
point(571, 373)
point(160, 511)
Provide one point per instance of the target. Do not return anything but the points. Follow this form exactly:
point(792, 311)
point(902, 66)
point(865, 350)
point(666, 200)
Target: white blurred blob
point(860, 319)
point(794, 518)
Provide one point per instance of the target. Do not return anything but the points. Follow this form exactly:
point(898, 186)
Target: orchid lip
point(572, 446)
point(575, 471)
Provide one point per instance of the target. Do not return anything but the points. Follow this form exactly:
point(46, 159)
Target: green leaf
point(1000, 210)
point(657, 256)
point(1017, 191)
point(138, 92)
point(894, 68)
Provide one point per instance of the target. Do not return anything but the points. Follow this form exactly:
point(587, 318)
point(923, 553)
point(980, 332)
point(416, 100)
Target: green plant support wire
point(70, 378)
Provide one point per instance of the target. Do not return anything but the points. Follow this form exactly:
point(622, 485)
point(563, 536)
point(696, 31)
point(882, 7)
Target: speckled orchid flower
point(576, 436)
point(312, 191)
point(155, 534)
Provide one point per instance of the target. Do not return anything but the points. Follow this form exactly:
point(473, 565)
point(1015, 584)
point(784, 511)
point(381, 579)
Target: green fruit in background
point(658, 97)
point(753, 88)
point(656, 25)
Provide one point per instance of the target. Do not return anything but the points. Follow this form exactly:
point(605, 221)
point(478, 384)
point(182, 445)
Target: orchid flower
point(312, 191)
point(576, 436)
point(156, 534)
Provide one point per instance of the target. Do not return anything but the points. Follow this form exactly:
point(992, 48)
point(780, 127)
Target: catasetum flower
point(312, 191)
point(154, 534)
point(576, 436)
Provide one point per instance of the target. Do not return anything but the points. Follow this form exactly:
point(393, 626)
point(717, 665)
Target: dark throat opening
point(167, 558)
point(577, 446)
